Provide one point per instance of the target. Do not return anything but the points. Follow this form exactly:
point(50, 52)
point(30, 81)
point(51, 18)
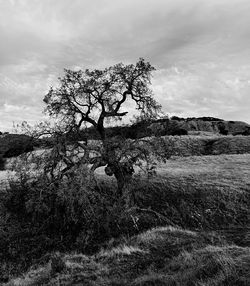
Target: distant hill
point(215, 125)
point(206, 124)
point(176, 126)
point(12, 145)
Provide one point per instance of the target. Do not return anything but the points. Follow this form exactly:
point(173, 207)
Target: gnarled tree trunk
point(123, 173)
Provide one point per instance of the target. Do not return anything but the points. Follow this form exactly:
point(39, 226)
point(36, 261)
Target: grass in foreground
point(160, 256)
point(199, 193)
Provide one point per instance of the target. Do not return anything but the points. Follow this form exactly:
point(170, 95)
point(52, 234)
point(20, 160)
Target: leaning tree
point(84, 99)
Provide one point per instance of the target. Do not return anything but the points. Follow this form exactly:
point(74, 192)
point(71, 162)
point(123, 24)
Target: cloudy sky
point(200, 48)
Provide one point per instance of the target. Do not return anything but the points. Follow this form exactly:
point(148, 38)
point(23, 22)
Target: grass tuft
point(132, 264)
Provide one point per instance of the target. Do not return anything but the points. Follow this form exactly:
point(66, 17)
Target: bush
point(43, 218)
point(12, 145)
point(194, 207)
point(179, 132)
point(40, 217)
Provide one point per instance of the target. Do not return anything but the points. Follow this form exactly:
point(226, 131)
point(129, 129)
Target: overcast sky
point(200, 48)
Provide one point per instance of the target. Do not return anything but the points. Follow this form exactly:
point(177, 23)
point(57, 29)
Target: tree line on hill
point(12, 145)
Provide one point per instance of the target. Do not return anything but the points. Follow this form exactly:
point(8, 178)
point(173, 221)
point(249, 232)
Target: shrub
point(40, 217)
point(44, 217)
point(192, 206)
point(179, 132)
point(12, 145)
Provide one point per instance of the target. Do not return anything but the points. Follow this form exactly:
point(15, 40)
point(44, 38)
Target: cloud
point(200, 49)
point(206, 89)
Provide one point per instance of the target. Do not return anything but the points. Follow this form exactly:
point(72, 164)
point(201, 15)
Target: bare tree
point(92, 98)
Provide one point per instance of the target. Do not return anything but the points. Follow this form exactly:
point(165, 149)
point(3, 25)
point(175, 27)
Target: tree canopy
point(93, 96)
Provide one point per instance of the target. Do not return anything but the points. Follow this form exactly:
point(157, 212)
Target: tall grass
point(209, 194)
point(208, 145)
point(161, 256)
point(37, 218)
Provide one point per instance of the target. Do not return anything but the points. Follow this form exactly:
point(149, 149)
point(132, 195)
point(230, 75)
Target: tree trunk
point(123, 176)
point(123, 172)
point(122, 182)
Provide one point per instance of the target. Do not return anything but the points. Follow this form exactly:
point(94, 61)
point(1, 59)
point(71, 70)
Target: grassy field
point(161, 256)
point(207, 145)
point(231, 172)
point(196, 230)
point(201, 192)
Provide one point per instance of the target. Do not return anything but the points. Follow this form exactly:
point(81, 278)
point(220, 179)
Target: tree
point(93, 98)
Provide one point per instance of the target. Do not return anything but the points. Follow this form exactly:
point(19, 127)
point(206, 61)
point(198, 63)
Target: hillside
point(12, 145)
point(174, 126)
point(206, 124)
point(160, 256)
point(212, 144)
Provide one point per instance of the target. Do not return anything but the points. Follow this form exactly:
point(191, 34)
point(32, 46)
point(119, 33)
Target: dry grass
point(208, 145)
point(231, 172)
point(195, 192)
point(149, 259)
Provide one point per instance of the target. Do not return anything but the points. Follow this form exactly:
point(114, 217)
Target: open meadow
point(189, 223)
point(190, 226)
point(231, 172)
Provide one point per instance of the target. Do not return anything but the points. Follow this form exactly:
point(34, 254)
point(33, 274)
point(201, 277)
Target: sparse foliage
point(95, 98)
